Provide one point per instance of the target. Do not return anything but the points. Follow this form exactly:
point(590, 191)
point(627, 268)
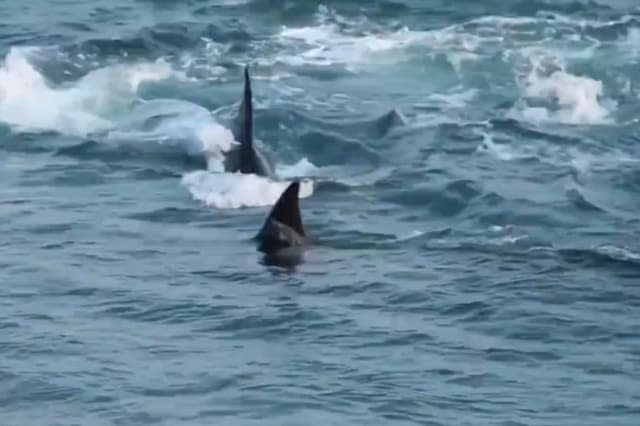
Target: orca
point(245, 157)
point(283, 231)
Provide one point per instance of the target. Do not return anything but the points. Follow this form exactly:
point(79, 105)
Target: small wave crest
point(601, 255)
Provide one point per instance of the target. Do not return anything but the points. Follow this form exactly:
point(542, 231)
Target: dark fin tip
point(287, 209)
point(245, 115)
point(247, 78)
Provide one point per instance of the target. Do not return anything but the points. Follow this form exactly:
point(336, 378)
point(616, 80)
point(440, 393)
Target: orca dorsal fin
point(245, 114)
point(287, 209)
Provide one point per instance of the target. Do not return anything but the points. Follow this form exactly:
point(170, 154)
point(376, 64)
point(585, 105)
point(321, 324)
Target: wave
point(104, 106)
point(578, 158)
point(336, 39)
point(28, 102)
point(536, 52)
point(333, 41)
point(601, 256)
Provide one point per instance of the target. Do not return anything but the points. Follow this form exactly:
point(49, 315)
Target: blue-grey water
point(471, 181)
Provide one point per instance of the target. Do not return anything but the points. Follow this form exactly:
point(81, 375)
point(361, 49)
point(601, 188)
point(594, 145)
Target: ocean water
point(471, 181)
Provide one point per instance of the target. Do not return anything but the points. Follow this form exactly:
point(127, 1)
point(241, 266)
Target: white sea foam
point(564, 97)
point(336, 40)
point(104, 101)
point(577, 98)
point(356, 42)
point(182, 125)
point(326, 45)
point(28, 102)
point(236, 190)
point(192, 129)
point(352, 43)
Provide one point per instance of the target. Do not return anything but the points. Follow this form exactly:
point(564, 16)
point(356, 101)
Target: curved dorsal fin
point(287, 209)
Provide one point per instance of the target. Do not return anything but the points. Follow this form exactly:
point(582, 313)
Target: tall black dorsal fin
point(287, 209)
point(245, 157)
point(245, 114)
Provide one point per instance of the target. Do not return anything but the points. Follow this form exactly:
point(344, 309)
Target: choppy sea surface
point(471, 181)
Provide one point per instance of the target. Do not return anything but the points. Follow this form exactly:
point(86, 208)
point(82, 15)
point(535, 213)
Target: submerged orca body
point(245, 158)
point(283, 230)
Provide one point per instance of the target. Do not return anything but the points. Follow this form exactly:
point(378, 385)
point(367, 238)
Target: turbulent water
point(471, 182)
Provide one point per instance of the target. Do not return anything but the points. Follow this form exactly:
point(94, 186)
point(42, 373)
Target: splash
point(28, 102)
point(177, 125)
point(564, 97)
point(104, 102)
point(236, 190)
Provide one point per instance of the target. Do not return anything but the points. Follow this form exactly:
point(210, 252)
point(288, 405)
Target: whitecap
point(566, 98)
point(28, 102)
